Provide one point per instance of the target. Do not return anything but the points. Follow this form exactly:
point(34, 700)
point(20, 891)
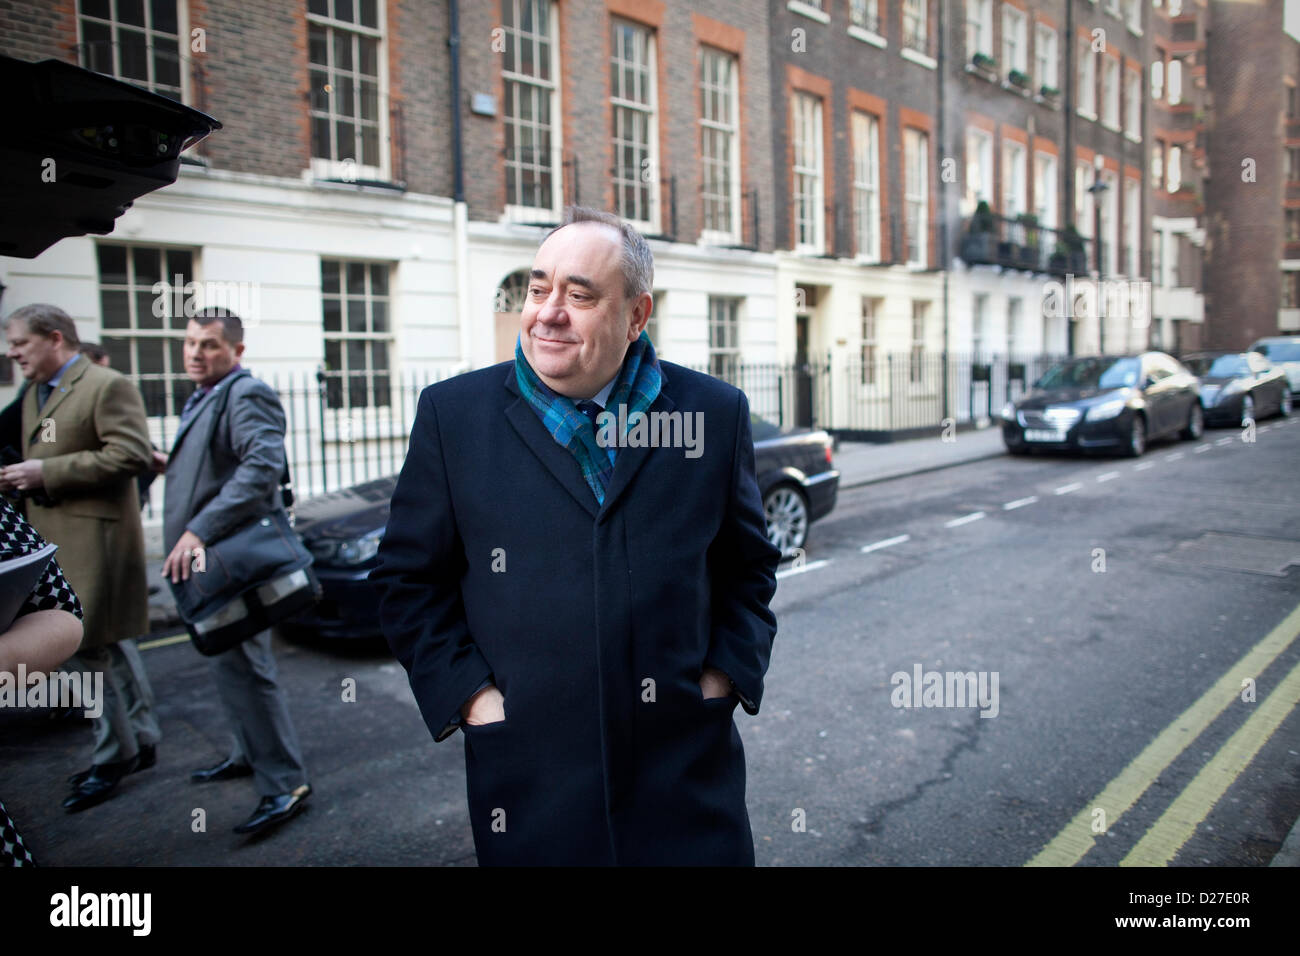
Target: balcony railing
point(1022, 244)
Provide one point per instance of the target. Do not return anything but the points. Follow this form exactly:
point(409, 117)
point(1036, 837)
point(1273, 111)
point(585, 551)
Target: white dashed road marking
point(1174, 457)
point(1066, 489)
point(1019, 503)
point(800, 569)
point(1108, 476)
point(888, 542)
point(1144, 465)
point(964, 519)
point(1226, 441)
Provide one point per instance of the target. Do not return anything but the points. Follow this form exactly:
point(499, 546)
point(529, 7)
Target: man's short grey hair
point(638, 261)
point(232, 328)
point(41, 318)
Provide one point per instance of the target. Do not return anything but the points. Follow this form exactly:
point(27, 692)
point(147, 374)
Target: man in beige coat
point(86, 439)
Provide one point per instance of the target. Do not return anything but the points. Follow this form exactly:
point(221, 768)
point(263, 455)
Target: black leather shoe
point(99, 784)
point(148, 757)
point(226, 770)
point(275, 810)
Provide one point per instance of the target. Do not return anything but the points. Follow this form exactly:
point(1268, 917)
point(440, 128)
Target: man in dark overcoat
point(576, 573)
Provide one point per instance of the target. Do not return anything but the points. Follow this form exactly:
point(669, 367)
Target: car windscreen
point(1279, 351)
point(1091, 373)
point(1226, 366)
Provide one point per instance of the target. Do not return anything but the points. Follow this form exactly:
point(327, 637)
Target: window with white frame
point(142, 304)
point(1174, 173)
point(866, 184)
point(1045, 190)
point(1133, 104)
point(979, 169)
point(1110, 235)
point(916, 356)
point(632, 104)
point(1292, 164)
point(358, 334)
point(979, 28)
point(1015, 309)
point(865, 14)
point(979, 324)
point(1083, 175)
point(1014, 190)
point(1157, 258)
point(531, 108)
point(1132, 226)
point(1175, 7)
point(1133, 15)
point(1045, 56)
point(1293, 225)
point(348, 114)
point(915, 33)
point(916, 166)
point(1015, 43)
point(1087, 79)
point(724, 338)
point(1290, 290)
point(809, 188)
point(870, 309)
point(134, 41)
point(1110, 85)
point(1158, 77)
point(1174, 81)
point(719, 145)
point(1157, 164)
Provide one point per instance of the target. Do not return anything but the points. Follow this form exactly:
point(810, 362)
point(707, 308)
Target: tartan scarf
point(637, 386)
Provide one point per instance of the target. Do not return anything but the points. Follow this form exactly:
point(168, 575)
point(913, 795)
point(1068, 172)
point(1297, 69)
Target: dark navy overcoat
point(594, 621)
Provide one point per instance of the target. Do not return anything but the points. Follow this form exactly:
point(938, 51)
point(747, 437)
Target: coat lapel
point(61, 392)
point(628, 461)
point(540, 442)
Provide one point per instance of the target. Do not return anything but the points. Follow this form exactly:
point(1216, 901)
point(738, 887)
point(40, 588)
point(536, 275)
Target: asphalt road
point(1118, 691)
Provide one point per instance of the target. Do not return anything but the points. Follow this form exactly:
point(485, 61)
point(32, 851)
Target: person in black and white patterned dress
point(46, 632)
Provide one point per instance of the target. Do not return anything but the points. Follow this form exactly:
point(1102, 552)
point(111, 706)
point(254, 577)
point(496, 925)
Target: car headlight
point(352, 551)
point(1008, 413)
point(1099, 413)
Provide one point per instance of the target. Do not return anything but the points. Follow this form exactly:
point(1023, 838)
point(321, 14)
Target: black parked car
point(342, 529)
point(1117, 402)
point(1237, 387)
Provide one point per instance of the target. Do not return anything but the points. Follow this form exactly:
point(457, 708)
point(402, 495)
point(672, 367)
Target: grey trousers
point(127, 722)
point(258, 711)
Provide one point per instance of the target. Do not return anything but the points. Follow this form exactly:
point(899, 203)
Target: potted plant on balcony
point(1069, 255)
point(1028, 258)
point(977, 244)
point(1019, 79)
point(985, 66)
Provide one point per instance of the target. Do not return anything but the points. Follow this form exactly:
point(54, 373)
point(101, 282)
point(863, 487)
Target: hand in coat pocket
point(488, 706)
point(714, 683)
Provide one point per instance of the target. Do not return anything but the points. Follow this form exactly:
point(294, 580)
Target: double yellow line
point(1178, 823)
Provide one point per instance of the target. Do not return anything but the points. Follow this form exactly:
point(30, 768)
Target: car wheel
point(1285, 408)
point(1195, 423)
point(787, 518)
point(1247, 409)
point(1137, 438)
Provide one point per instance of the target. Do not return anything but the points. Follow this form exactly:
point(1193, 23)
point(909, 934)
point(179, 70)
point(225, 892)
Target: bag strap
point(286, 482)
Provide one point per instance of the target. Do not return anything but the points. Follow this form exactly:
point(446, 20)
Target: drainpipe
point(945, 260)
point(460, 213)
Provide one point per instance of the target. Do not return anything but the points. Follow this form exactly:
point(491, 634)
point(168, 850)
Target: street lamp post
point(1098, 187)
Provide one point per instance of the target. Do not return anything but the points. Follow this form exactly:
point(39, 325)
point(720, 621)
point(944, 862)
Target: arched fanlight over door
point(507, 305)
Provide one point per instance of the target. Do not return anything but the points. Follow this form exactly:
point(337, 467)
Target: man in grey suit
point(222, 472)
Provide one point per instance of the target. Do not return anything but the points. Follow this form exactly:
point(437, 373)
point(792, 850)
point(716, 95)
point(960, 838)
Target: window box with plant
point(1050, 93)
point(977, 244)
point(982, 61)
point(1019, 79)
